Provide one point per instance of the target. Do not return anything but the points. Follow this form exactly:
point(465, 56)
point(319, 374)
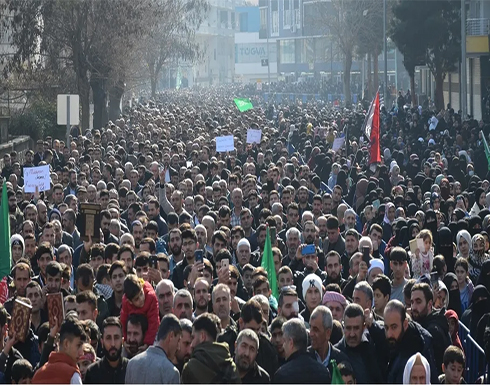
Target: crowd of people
point(376, 265)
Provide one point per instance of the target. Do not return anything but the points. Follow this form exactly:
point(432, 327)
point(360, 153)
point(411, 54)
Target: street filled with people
point(293, 259)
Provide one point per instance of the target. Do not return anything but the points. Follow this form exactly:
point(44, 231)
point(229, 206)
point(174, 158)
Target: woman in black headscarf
point(484, 278)
point(431, 224)
point(381, 214)
point(474, 225)
point(480, 199)
point(451, 282)
point(342, 181)
point(444, 246)
point(479, 305)
point(411, 210)
point(403, 237)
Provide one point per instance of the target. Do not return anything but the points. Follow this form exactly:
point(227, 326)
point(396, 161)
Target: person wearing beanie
point(17, 247)
point(312, 294)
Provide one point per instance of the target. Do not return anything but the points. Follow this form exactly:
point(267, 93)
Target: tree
point(409, 40)
point(173, 36)
point(343, 21)
point(428, 32)
point(443, 43)
point(370, 39)
point(100, 40)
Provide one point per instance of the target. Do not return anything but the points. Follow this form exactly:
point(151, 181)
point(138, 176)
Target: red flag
point(374, 134)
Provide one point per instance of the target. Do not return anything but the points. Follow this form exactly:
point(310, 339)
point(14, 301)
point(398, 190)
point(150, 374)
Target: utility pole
point(268, 58)
point(463, 79)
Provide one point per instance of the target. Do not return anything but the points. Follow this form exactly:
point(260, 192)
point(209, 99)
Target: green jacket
point(210, 363)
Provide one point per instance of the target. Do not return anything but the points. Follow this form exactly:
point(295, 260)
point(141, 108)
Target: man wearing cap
point(398, 264)
point(336, 302)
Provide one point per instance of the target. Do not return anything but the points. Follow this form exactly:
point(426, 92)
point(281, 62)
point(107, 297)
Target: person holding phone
point(308, 255)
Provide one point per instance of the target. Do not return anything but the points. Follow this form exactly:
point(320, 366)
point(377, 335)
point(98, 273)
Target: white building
point(216, 35)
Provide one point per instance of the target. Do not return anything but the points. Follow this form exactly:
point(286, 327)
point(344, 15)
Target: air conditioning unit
point(293, 28)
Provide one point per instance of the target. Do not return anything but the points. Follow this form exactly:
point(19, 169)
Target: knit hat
point(376, 263)
point(312, 280)
point(333, 296)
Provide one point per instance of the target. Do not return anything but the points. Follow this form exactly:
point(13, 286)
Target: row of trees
point(102, 45)
point(425, 32)
point(428, 32)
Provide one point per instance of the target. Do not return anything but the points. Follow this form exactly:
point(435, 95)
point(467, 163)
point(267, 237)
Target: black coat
point(335, 354)
point(364, 360)
point(256, 375)
point(415, 340)
point(436, 324)
point(101, 372)
point(301, 368)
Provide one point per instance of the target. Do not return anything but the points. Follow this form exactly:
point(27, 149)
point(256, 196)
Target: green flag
point(243, 104)
point(5, 252)
point(268, 265)
point(336, 376)
point(487, 149)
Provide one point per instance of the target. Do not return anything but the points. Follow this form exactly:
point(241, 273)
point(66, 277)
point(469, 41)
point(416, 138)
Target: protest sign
point(254, 136)
point(224, 143)
point(36, 177)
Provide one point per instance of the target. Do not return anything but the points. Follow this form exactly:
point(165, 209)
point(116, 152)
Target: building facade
point(255, 58)
point(216, 35)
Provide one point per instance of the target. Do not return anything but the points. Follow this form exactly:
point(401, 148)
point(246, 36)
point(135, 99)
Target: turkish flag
point(375, 151)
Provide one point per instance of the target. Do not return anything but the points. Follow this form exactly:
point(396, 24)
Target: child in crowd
point(422, 261)
point(453, 366)
point(86, 359)
point(22, 372)
point(347, 373)
point(466, 288)
point(140, 298)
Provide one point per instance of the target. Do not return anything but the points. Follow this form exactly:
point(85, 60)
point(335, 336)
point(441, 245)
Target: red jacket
point(59, 369)
point(149, 310)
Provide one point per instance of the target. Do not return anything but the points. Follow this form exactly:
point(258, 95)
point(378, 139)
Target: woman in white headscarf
point(417, 370)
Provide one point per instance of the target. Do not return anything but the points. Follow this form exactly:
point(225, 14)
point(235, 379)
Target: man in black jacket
point(358, 347)
point(321, 323)
point(431, 320)
point(112, 368)
point(405, 338)
point(247, 346)
point(300, 367)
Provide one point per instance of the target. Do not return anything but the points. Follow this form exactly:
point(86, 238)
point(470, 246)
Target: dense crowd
point(376, 265)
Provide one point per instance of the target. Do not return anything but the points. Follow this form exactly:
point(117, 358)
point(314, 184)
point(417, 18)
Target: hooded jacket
point(210, 363)
point(451, 314)
point(437, 325)
point(416, 339)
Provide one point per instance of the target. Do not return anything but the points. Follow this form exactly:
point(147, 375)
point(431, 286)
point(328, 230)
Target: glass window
point(287, 51)
point(244, 22)
point(287, 15)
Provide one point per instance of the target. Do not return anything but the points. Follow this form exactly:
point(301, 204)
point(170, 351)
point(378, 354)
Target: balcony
point(477, 27)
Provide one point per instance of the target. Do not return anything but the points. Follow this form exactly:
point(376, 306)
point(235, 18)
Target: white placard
point(36, 177)
point(254, 136)
point(71, 103)
point(225, 143)
point(338, 143)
